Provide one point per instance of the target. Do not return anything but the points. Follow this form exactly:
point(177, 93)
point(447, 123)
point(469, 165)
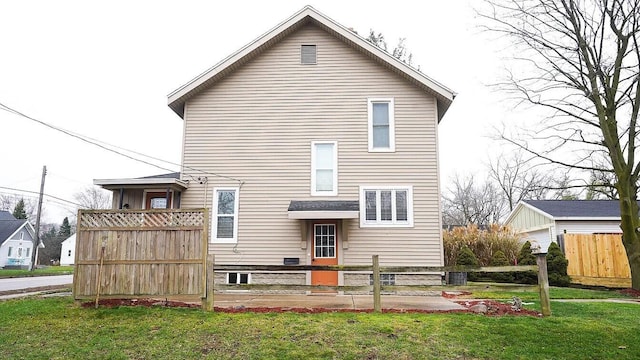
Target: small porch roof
point(324, 209)
point(171, 180)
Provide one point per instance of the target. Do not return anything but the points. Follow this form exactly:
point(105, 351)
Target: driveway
point(12, 284)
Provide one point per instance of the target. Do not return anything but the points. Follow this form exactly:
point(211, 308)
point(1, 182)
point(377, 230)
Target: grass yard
point(530, 292)
point(49, 270)
point(56, 328)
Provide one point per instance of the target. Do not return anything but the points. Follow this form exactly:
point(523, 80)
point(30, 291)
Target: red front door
point(325, 252)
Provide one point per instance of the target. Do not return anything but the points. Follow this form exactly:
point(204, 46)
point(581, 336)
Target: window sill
point(382, 225)
point(224, 241)
point(327, 193)
point(382, 150)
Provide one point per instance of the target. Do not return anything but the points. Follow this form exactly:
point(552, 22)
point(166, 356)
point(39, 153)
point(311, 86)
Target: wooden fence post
point(543, 284)
point(210, 282)
point(377, 306)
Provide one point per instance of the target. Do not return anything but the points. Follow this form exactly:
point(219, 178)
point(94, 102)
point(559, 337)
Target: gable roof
point(308, 14)
point(6, 215)
point(10, 227)
point(573, 209)
point(578, 208)
point(70, 239)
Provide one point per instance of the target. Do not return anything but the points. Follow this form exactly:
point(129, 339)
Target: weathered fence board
point(146, 253)
point(597, 259)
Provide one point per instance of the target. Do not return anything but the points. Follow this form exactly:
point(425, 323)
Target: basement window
point(308, 55)
point(385, 279)
point(238, 278)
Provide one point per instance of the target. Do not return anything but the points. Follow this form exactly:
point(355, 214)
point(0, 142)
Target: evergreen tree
point(525, 257)
point(65, 229)
point(557, 266)
point(19, 211)
point(500, 259)
point(466, 257)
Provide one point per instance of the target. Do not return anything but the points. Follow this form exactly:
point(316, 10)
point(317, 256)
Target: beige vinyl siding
point(257, 125)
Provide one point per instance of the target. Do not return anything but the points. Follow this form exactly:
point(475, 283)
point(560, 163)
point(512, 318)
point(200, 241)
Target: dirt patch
point(110, 303)
point(631, 292)
point(494, 308)
point(454, 294)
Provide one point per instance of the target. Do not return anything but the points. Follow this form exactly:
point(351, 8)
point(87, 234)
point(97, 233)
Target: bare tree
point(8, 203)
point(399, 52)
point(470, 202)
point(580, 60)
point(519, 178)
point(93, 197)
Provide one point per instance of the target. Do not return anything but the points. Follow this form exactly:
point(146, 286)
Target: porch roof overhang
point(142, 183)
point(324, 209)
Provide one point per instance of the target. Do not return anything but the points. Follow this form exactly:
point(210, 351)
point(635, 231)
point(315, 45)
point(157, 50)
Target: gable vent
point(308, 54)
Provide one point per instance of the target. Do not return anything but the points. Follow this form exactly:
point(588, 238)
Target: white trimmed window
point(386, 206)
point(381, 125)
point(225, 220)
point(324, 168)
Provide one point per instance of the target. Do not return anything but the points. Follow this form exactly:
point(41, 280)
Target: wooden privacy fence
point(376, 269)
point(597, 259)
point(129, 254)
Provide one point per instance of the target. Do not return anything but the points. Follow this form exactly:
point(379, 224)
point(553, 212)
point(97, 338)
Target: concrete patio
point(331, 301)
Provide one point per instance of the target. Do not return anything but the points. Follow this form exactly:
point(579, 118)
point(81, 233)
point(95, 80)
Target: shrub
point(466, 257)
point(499, 259)
point(557, 266)
point(525, 257)
point(483, 243)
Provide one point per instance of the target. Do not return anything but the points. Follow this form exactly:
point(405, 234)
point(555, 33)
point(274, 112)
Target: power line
point(36, 192)
point(48, 202)
point(99, 143)
point(69, 133)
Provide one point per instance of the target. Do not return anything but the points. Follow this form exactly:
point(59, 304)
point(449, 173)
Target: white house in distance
point(16, 241)
point(542, 221)
point(68, 251)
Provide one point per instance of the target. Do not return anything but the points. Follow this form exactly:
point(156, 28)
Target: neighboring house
point(310, 145)
point(68, 251)
point(543, 220)
point(16, 241)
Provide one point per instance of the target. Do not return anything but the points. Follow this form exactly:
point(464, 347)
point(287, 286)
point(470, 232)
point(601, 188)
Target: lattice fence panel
point(137, 219)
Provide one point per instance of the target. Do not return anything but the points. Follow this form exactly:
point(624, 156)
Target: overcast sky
point(104, 69)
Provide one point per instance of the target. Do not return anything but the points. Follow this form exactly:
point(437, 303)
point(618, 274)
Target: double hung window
point(225, 222)
point(324, 168)
point(381, 125)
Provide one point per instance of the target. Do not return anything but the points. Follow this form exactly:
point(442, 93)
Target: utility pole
point(36, 243)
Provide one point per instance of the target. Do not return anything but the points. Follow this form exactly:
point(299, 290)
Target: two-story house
point(310, 145)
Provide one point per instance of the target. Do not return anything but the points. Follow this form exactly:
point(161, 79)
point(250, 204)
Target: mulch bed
point(631, 292)
point(494, 308)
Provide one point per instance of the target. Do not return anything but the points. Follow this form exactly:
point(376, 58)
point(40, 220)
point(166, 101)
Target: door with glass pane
point(325, 252)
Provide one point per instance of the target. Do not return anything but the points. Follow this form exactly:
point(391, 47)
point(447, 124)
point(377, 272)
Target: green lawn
point(529, 292)
point(56, 328)
point(49, 270)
